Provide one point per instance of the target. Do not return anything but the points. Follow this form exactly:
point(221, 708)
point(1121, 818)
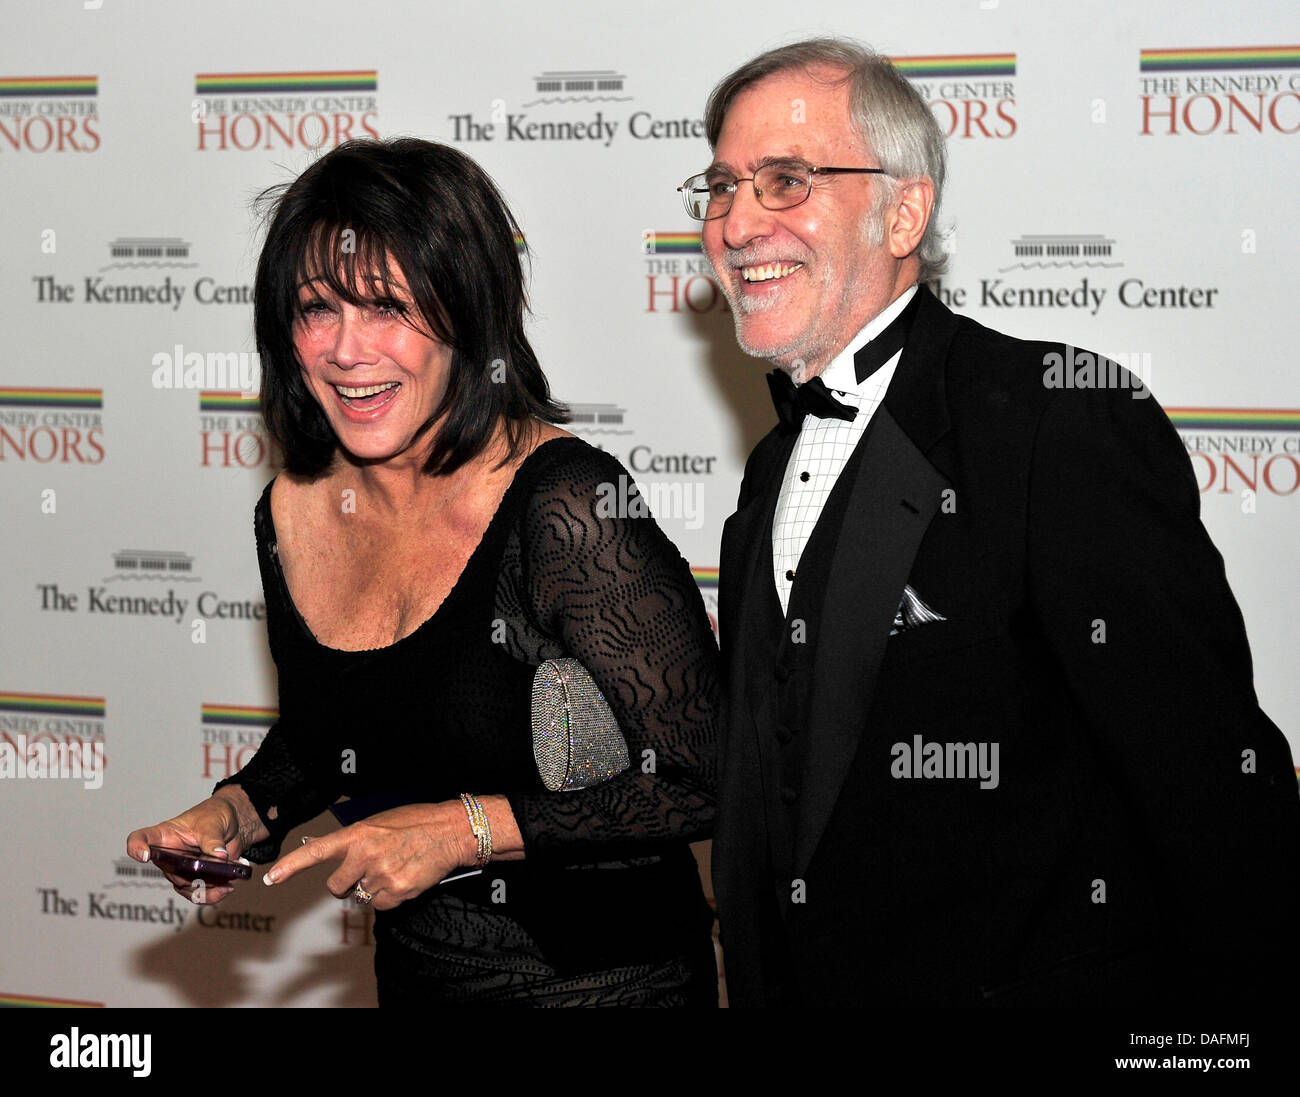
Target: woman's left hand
point(394, 855)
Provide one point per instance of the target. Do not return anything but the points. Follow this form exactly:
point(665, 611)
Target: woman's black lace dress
point(606, 908)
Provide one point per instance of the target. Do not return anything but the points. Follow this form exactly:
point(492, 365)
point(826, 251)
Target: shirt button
point(804, 477)
point(784, 734)
point(788, 795)
point(789, 575)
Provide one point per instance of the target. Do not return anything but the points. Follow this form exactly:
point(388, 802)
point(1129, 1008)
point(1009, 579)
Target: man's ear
point(911, 214)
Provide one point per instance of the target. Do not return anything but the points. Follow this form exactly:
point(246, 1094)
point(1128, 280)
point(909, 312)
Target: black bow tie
point(794, 402)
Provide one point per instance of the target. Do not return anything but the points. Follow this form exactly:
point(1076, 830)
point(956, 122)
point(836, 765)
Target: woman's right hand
point(219, 828)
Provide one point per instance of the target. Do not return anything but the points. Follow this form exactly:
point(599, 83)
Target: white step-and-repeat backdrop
point(1123, 178)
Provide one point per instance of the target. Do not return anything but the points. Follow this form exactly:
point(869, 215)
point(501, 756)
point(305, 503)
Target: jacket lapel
point(893, 499)
point(887, 517)
point(740, 835)
point(742, 561)
point(745, 562)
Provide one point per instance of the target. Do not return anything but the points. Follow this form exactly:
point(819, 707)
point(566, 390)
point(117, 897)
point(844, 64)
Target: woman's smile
point(365, 403)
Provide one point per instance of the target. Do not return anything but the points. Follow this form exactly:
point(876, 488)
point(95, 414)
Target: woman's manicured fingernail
point(269, 878)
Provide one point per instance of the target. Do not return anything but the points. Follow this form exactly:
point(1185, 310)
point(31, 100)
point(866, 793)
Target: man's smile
point(768, 271)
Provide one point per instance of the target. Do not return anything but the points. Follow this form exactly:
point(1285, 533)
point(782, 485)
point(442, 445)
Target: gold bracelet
point(478, 823)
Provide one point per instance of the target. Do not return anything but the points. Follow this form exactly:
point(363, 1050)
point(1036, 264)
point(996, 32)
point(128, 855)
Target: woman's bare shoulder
point(547, 431)
point(295, 499)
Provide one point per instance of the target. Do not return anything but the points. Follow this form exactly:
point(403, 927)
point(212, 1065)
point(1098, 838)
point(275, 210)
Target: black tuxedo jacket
point(1141, 841)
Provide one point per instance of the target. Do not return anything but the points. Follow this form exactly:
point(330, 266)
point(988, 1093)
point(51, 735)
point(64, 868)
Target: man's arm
point(1133, 598)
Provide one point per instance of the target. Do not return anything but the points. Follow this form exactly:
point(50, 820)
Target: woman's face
point(377, 379)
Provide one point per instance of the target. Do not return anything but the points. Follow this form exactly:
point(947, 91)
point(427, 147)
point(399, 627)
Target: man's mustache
point(751, 257)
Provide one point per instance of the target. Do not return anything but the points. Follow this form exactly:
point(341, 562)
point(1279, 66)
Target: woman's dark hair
point(435, 216)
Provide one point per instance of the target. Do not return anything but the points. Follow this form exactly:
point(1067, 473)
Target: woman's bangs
point(354, 266)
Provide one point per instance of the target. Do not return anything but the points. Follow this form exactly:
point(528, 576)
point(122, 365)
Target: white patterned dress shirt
point(823, 448)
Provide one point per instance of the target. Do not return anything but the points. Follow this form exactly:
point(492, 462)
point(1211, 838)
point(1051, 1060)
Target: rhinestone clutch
point(576, 741)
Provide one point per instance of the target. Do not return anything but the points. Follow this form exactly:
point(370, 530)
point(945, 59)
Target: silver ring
point(361, 895)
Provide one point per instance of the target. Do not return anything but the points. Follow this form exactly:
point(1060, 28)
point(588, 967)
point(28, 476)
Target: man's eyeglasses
point(708, 196)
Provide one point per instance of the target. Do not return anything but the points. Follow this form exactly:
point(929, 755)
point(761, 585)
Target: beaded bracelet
point(478, 823)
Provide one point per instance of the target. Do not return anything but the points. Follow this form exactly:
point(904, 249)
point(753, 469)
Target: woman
point(432, 540)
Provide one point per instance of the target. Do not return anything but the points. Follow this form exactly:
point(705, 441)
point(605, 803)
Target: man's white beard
point(808, 354)
point(793, 356)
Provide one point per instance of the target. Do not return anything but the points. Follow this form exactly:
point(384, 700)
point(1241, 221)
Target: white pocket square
point(913, 613)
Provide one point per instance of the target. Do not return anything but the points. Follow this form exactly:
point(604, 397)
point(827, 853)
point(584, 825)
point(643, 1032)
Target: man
point(991, 735)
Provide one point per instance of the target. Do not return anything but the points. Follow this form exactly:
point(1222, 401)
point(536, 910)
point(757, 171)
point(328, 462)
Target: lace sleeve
point(599, 576)
point(279, 790)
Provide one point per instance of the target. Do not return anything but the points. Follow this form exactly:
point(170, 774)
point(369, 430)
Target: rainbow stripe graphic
point(1228, 57)
point(1235, 418)
point(52, 704)
point(957, 64)
point(241, 715)
point(218, 83)
point(31, 1001)
point(705, 577)
point(51, 398)
point(218, 400)
point(48, 87)
point(673, 243)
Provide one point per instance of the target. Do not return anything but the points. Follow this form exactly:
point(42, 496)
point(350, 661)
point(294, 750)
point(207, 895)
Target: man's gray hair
point(888, 114)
